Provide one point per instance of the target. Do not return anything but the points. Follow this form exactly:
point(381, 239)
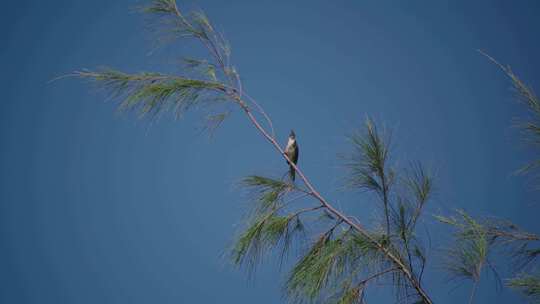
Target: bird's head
point(292, 135)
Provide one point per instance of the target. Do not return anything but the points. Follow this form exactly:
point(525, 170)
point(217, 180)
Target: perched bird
point(292, 151)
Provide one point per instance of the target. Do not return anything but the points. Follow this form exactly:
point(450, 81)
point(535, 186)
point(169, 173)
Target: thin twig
point(473, 291)
point(306, 210)
point(261, 110)
point(364, 281)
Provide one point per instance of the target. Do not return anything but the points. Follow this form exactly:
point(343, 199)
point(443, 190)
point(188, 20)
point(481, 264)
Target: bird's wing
point(295, 156)
point(288, 152)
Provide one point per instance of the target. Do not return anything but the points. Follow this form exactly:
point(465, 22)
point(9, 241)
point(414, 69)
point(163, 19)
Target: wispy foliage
point(478, 242)
point(417, 188)
point(528, 285)
point(469, 253)
point(420, 184)
point(214, 121)
point(520, 244)
point(531, 125)
point(341, 262)
point(171, 24)
point(161, 7)
point(265, 233)
point(270, 225)
point(402, 197)
point(204, 82)
point(267, 192)
point(334, 267)
point(497, 231)
point(367, 165)
point(153, 93)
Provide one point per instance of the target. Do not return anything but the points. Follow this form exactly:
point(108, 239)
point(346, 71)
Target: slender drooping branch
point(473, 292)
point(384, 185)
point(378, 274)
point(213, 49)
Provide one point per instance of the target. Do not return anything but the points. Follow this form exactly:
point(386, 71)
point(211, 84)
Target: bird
point(292, 151)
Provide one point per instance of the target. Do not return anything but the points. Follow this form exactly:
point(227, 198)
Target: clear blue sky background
point(97, 207)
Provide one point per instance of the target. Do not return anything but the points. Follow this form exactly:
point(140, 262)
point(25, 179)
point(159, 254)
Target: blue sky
point(98, 207)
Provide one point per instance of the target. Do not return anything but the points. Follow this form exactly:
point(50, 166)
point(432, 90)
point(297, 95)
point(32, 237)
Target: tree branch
point(364, 281)
point(394, 259)
point(473, 291)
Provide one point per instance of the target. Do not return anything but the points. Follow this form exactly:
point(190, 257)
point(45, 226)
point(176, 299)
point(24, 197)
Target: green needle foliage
point(263, 234)
point(334, 267)
point(528, 285)
point(526, 95)
point(205, 82)
point(480, 241)
point(468, 256)
point(152, 93)
point(268, 192)
point(267, 228)
point(161, 7)
point(368, 165)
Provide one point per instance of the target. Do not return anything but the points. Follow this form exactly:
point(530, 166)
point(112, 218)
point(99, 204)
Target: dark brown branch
point(297, 213)
point(524, 236)
point(364, 281)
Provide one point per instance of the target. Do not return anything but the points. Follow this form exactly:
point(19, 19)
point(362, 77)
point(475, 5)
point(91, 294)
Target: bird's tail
point(292, 173)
